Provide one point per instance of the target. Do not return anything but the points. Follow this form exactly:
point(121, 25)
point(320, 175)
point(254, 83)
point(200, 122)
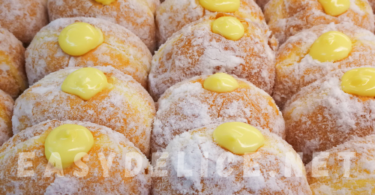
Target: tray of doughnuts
point(187, 97)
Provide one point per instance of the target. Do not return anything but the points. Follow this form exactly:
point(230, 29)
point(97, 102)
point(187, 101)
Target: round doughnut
point(26, 150)
point(188, 105)
point(135, 15)
point(12, 61)
point(295, 67)
point(287, 17)
point(321, 116)
point(359, 152)
point(125, 107)
point(200, 154)
point(172, 15)
point(23, 18)
point(6, 111)
point(121, 49)
point(195, 50)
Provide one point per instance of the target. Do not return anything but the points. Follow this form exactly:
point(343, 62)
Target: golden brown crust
point(12, 64)
point(6, 112)
point(107, 142)
point(134, 15)
point(287, 17)
point(126, 108)
point(121, 49)
point(195, 50)
point(23, 18)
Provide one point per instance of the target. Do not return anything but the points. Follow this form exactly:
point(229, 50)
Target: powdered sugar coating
point(361, 169)
point(12, 64)
point(23, 18)
point(195, 50)
point(106, 141)
point(126, 108)
point(197, 145)
point(187, 105)
point(6, 112)
point(295, 68)
point(173, 15)
point(134, 15)
point(288, 17)
point(121, 49)
point(321, 116)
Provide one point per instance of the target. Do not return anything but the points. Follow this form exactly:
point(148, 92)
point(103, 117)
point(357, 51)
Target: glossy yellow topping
point(85, 83)
point(105, 2)
point(239, 138)
point(331, 46)
point(220, 5)
point(67, 144)
point(359, 81)
point(221, 82)
point(229, 27)
point(79, 38)
point(335, 7)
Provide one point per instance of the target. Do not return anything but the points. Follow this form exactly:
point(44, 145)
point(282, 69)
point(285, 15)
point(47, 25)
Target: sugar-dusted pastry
point(72, 157)
point(216, 44)
point(172, 15)
point(23, 18)
point(135, 15)
point(82, 42)
point(6, 112)
point(287, 17)
point(313, 53)
point(100, 95)
point(230, 158)
point(12, 64)
point(346, 169)
point(331, 111)
point(217, 98)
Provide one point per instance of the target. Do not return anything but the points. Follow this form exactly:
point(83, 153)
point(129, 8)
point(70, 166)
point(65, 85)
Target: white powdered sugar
point(121, 49)
point(173, 15)
point(126, 108)
point(187, 105)
point(287, 17)
point(361, 169)
point(188, 150)
point(23, 18)
point(295, 68)
point(135, 15)
point(195, 50)
point(322, 116)
point(106, 141)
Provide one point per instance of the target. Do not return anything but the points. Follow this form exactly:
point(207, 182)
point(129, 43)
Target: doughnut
point(197, 50)
point(23, 18)
point(331, 111)
point(135, 15)
point(120, 49)
point(353, 178)
point(100, 95)
point(6, 111)
point(285, 18)
point(173, 15)
point(297, 66)
point(192, 104)
point(27, 169)
point(198, 162)
point(12, 61)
